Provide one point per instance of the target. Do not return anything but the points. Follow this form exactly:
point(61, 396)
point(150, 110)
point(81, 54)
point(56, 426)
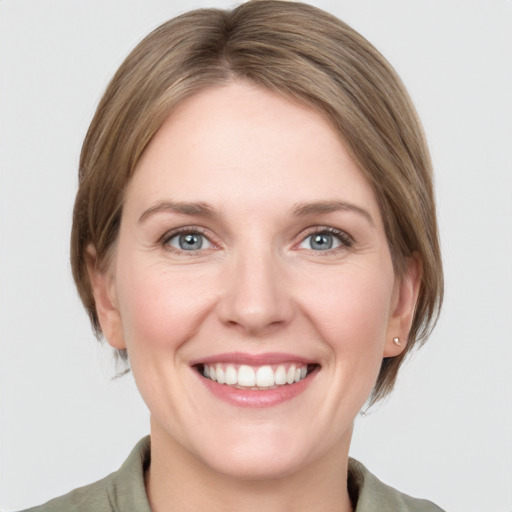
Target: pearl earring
point(396, 341)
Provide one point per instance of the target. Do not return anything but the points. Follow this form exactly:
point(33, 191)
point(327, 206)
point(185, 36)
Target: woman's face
point(252, 285)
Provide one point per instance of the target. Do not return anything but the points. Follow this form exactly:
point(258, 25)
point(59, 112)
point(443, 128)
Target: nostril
point(253, 299)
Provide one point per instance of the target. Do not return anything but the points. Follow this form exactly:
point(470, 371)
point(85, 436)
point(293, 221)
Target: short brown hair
point(300, 52)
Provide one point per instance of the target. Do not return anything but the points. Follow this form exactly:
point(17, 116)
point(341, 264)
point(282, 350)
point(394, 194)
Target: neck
point(178, 480)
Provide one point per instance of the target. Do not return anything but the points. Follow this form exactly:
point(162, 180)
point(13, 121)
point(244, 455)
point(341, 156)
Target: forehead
point(241, 141)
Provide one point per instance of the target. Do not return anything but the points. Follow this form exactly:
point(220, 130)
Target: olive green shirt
point(124, 491)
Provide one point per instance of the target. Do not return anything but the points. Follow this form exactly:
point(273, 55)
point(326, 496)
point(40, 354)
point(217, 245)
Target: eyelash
point(185, 230)
point(345, 239)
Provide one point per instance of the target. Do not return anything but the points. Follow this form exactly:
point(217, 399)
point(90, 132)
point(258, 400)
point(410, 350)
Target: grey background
point(444, 434)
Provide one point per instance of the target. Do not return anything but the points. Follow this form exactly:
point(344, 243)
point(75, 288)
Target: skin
point(256, 286)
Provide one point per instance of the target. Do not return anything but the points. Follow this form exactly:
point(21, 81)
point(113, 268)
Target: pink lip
point(257, 398)
point(253, 359)
point(250, 397)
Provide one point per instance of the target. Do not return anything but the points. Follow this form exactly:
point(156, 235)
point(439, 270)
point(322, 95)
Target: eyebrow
point(200, 209)
point(303, 209)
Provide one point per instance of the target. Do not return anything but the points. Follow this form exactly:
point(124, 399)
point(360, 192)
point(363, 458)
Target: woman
point(255, 232)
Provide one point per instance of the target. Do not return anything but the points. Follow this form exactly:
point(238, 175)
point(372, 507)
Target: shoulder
point(88, 498)
point(372, 495)
point(122, 490)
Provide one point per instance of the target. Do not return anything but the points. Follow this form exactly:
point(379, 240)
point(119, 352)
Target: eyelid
point(346, 240)
point(168, 235)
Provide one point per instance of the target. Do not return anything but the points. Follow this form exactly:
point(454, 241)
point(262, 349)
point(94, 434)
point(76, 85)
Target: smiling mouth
point(264, 377)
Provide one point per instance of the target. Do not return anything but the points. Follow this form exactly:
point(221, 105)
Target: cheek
point(161, 308)
point(353, 309)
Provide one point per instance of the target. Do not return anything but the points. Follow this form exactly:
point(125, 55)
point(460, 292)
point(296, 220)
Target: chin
point(264, 454)
point(257, 464)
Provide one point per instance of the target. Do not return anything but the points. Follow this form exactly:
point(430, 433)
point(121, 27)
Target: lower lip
point(257, 398)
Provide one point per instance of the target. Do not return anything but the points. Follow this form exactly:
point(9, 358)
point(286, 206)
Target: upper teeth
point(260, 376)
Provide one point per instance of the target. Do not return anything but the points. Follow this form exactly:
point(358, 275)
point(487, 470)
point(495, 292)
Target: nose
point(256, 295)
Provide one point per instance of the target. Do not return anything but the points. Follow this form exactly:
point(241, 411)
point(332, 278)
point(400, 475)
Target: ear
point(103, 288)
point(405, 296)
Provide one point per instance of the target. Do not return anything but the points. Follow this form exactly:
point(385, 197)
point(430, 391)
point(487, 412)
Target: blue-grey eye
point(322, 241)
point(189, 242)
